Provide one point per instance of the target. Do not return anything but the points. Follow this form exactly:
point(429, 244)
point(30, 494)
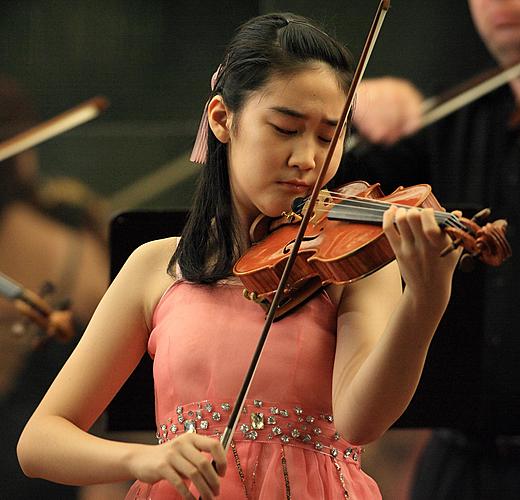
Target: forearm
point(367, 403)
point(55, 449)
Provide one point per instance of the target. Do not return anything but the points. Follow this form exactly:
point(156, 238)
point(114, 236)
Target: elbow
point(361, 437)
point(25, 451)
point(359, 433)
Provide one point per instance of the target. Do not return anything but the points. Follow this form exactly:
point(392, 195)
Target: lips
point(296, 185)
point(505, 19)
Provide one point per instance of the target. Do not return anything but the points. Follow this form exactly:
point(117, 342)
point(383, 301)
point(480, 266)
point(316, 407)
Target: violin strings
point(375, 213)
point(366, 202)
point(450, 219)
point(364, 210)
point(442, 217)
point(369, 214)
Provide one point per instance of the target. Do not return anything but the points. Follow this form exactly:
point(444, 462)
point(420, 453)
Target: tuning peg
point(481, 216)
point(453, 246)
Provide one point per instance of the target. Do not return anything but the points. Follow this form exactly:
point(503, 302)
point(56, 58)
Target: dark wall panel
point(153, 60)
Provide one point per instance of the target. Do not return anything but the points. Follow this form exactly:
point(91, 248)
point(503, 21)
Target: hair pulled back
point(263, 47)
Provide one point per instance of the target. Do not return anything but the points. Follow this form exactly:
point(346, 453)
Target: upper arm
point(363, 313)
point(113, 342)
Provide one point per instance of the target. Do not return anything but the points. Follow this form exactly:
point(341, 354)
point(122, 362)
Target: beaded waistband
point(263, 422)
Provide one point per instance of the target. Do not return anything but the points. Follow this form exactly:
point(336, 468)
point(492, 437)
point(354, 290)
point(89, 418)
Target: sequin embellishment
point(287, 425)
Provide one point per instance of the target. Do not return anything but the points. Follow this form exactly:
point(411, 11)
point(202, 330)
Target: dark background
point(153, 59)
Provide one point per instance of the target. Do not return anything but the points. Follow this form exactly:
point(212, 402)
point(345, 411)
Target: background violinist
point(472, 159)
point(35, 248)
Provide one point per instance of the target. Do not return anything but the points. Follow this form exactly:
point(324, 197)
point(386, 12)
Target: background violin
point(52, 323)
point(344, 241)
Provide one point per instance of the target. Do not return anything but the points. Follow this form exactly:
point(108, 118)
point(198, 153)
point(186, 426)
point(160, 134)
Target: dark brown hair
point(272, 44)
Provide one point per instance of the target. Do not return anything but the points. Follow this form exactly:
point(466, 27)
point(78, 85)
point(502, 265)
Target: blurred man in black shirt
point(471, 159)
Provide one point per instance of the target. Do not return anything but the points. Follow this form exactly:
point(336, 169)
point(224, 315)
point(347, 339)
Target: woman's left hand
point(417, 242)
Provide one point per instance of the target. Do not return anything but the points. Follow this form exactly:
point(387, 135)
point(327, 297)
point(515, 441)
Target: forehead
point(313, 87)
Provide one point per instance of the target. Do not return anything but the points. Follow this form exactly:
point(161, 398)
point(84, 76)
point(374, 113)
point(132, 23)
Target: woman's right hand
point(179, 460)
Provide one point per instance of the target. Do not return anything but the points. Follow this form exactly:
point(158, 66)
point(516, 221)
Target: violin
point(52, 323)
point(344, 241)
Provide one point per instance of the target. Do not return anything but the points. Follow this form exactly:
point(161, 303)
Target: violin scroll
point(487, 243)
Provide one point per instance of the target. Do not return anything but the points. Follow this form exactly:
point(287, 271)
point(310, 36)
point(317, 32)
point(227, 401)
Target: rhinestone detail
point(257, 420)
point(291, 424)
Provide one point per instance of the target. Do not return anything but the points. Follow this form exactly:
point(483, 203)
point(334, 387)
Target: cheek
point(269, 160)
point(257, 150)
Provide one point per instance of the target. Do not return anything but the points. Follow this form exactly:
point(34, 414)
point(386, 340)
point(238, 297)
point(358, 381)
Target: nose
point(304, 154)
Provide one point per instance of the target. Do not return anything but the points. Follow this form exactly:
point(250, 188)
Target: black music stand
point(133, 407)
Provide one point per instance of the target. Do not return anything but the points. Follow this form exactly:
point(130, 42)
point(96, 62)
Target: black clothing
point(458, 466)
point(472, 160)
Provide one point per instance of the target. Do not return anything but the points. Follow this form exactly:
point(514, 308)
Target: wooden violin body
point(344, 242)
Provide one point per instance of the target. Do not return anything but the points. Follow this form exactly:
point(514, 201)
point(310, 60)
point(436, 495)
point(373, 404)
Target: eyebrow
point(296, 114)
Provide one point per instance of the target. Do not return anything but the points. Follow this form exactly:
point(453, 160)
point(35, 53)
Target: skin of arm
point(383, 335)
point(55, 444)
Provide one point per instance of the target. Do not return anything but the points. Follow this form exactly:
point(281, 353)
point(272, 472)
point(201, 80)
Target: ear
point(219, 118)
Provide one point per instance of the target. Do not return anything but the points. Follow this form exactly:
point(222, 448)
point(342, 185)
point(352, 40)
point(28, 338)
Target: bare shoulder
point(148, 266)
point(386, 282)
point(150, 252)
point(366, 305)
point(383, 284)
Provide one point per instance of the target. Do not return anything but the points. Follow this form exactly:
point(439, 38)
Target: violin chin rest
point(294, 297)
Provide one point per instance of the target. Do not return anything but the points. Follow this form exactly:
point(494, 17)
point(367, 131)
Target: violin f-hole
point(287, 248)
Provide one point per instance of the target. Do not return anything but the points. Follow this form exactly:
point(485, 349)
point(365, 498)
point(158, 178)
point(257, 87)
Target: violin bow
point(65, 121)
point(436, 108)
point(55, 323)
point(377, 22)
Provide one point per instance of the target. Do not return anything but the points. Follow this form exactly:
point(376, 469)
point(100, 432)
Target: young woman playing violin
point(335, 374)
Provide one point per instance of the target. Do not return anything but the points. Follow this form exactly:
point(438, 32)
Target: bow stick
point(62, 123)
point(436, 108)
point(384, 5)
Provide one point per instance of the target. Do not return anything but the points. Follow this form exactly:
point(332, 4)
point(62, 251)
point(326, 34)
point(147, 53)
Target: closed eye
point(283, 130)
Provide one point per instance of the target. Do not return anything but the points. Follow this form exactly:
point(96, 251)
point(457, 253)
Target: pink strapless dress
point(285, 445)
